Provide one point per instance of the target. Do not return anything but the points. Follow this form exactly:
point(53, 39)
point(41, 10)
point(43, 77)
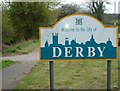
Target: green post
point(109, 75)
point(51, 64)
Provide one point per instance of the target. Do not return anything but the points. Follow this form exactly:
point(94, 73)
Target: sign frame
point(81, 59)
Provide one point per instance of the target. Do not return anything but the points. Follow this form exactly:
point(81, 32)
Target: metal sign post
point(51, 65)
point(109, 75)
point(78, 36)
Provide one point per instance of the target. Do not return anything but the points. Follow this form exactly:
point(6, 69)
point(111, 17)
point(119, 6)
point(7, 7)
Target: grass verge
point(6, 63)
point(111, 23)
point(22, 48)
point(71, 75)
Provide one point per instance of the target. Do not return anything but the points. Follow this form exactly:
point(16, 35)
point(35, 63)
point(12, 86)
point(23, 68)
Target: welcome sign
point(78, 37)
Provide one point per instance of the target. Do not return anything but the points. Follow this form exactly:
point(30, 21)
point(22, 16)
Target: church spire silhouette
point(109, 42)
point(46, 44)
point(92, 37)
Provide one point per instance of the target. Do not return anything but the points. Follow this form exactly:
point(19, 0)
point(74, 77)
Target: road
point(12, 75)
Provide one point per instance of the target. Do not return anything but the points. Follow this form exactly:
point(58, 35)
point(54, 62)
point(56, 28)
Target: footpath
point(13, 74)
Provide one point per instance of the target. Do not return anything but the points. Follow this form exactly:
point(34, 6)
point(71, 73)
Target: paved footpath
point(12, 75)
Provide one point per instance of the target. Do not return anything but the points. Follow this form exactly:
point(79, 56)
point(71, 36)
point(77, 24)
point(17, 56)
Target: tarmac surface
point(13, 74)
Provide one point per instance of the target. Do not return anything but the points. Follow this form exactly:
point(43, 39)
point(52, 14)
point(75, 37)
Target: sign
point(78, 37)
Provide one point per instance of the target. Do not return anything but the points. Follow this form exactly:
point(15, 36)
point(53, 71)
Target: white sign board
point(78, 37)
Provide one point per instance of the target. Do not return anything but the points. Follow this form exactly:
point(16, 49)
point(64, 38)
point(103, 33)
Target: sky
point(109, 7)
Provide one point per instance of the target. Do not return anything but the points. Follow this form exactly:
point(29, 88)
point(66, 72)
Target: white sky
point(109, 7)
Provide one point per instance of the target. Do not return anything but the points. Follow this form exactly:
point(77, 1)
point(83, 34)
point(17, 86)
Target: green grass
point(22, 48)
point(111, 23)
point(115, 21)
point(6, 63)
point(0, 53)
point(71, 75)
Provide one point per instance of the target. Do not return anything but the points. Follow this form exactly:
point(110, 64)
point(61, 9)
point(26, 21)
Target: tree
point(26, 17)
point(8, 33)
point(67, 9)
point(97, 8)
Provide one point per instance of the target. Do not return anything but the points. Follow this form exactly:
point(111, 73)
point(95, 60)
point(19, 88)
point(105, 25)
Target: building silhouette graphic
point(47, 51)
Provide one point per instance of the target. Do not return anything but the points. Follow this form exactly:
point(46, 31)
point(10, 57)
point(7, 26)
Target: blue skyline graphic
point(77, 50)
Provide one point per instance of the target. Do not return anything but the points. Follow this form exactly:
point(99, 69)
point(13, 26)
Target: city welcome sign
point(78, 37)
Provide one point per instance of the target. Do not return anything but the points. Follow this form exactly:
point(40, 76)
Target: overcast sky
point(109, 7)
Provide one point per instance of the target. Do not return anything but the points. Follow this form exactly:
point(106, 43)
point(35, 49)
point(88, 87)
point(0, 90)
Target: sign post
point(78, 37)
point(109, 75)
point(51, 65)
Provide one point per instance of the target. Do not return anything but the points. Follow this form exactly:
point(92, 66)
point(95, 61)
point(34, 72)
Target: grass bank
point(71, 75)
point(21, 48)
point(6, 63)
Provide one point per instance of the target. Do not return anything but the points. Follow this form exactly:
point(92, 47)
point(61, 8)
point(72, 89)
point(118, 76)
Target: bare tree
point(67, 9)
point(97, 8)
